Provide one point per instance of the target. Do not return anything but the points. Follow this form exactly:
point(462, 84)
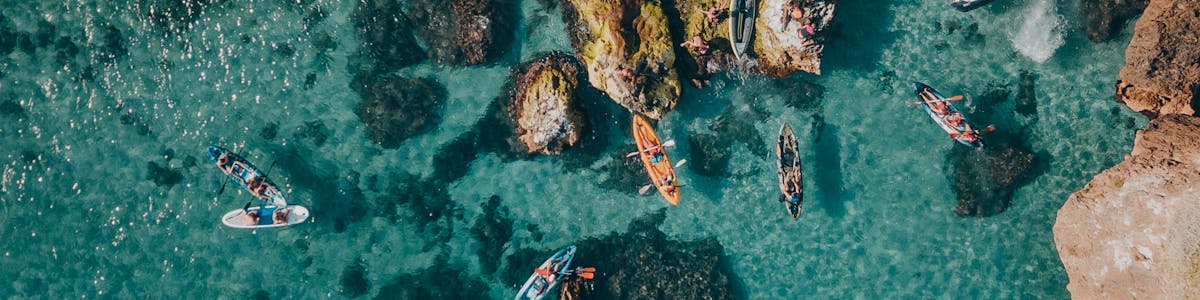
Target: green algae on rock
point(627, 50)
point(543, 107)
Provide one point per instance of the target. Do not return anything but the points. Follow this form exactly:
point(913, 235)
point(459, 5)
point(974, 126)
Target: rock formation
point(779, 44)
point(778, 49)
point(543, 104)
point(1161, 73)
point(1133, 232)
point(627, 50)
point(462, 32)
point(394, 109)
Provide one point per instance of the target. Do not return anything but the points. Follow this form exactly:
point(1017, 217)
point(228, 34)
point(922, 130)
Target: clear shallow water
point(82, 219)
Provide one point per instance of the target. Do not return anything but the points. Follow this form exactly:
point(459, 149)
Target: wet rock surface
point(627, 50)
point(643, 263)
point(394, 109)
point(1132, 231)
point(465, 32)
point(543, 104)
point(386, 33)
point(1104, 18)
point(1161, 75)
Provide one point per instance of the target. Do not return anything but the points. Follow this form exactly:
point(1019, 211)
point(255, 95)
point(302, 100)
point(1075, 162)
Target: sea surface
point(107, 191)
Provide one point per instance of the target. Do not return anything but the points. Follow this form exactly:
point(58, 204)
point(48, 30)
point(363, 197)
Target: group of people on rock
point(257, 186)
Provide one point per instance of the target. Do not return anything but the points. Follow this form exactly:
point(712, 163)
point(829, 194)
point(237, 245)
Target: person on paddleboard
point(281, 215)
point(252, 217)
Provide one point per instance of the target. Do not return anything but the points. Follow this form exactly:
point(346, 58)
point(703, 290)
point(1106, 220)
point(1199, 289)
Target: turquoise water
point(82, 219)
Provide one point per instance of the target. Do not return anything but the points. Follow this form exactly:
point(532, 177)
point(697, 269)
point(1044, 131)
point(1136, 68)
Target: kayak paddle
point(954, 98)
point(668, 143)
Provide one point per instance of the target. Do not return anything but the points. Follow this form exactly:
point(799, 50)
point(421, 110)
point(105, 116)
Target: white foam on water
point(1041, 31)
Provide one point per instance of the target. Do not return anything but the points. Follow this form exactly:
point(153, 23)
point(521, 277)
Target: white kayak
point(539, 285)
point(237, 218)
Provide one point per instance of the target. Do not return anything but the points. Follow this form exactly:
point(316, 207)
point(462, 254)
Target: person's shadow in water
point(826, 169)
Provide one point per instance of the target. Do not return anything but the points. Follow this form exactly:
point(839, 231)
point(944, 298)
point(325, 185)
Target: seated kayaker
point(281, 216)
point(655, 154)
point(955, 120)
point(256, 186)
point(715, 14)
point(969, 136)
point(252, 217)
point(697, 43)
point(223, 163)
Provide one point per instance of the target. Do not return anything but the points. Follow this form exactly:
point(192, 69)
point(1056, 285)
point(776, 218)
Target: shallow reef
point(442, 281)
point(465, 32)
point(394, 109)
point(643, 263)
point(492, 230)
point(386, 33)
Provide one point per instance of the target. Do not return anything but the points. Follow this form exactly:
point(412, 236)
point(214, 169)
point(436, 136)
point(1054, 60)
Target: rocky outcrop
point(1133, 232)
point(543, 104)
point(1103, 18)
point(778, 49)
point(1161, 73)
point(627, 50)
point(394, 109)
point(778, 43)
point(464, 32)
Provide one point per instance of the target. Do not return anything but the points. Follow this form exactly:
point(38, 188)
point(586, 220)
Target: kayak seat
point(265, 216)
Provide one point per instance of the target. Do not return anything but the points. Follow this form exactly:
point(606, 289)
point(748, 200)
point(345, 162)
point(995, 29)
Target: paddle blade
point(589, 270)
point(955, 98)
point(669, 143)
point(681, 162)
point(588, 275)
point(247, 207)
point(542, 272)
point(989, 128)
point(631, 154)
point(645, 189)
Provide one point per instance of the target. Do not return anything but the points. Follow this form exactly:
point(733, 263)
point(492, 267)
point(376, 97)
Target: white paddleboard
point(237, 218)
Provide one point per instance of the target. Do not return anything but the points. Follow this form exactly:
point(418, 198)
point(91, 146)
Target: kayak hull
point(538, 285)
point(741, 25)
point(968, 5)
point(940, 119)
point(662, 173)
point(237, 218)
point(241, 171)
point(790, 173)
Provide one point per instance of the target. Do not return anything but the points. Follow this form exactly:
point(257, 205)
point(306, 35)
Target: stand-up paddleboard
point(791, 176)
point(654, 157)
point(540, 283)
point(741, 25)
point(238, 218)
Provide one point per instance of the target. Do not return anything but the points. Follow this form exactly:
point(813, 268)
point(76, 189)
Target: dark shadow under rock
point(386, 34)
point(269, 131)
point(1102, 19)
point(737, 124)
point(708, 155)
point(395, 109)
point(1026, 95)
point(800, 94)
point(492, 229)
point(985, 181)
point(354, 280)
point(11, 108)
point(442, 281)
point(465, 32)
point(425, 203)
point(162, 175)
point(830, 179)
point(644, 264)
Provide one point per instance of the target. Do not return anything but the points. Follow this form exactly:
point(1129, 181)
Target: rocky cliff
point(1162, 64)
point(1133, 232)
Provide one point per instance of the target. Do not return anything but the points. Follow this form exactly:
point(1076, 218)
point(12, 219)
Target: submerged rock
point(386, 34)
point(1026, 95)
point(644, 264)
point(1161, 74)
point(1103, 18)
point(492, 229)
point(985, 181)
point(463, 32)
point(709, 155)
point(394, 109)
point(543, 104)
point(354, 280)
point(623, 173)
point(441, 281)
point(162, 175)
point(1131, 231)
point(627, 50)
point(779, 40)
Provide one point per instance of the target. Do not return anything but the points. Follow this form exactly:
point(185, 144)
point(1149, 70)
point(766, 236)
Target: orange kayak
point(662, 173)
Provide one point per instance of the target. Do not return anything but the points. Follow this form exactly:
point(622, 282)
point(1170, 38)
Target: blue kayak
point(242, 172)
point(946, 115)
point(539, 284)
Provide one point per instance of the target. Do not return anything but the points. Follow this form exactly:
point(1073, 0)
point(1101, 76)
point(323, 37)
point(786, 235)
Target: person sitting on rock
point(698, 43)
point(792, 11)
point(626, 73)
point(807, 32)
point(715, 14)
